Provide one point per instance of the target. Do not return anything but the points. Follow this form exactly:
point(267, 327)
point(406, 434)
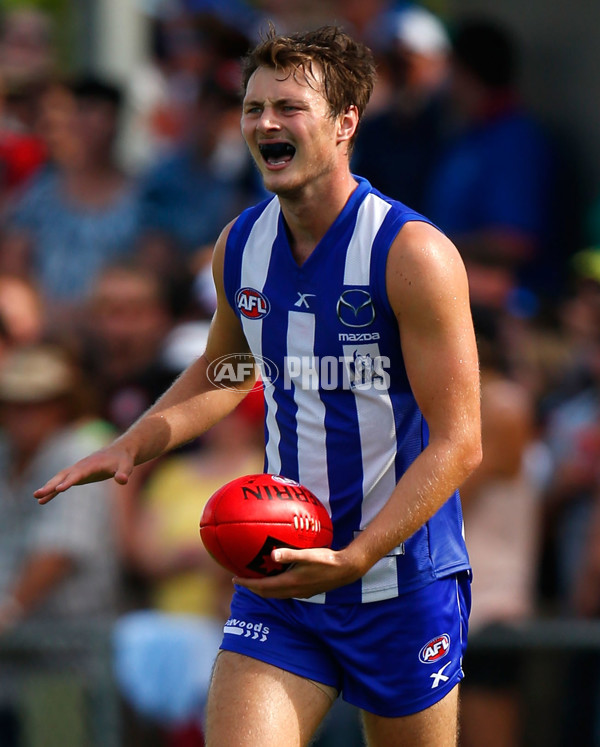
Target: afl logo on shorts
point(252, 304)
point(435, 649)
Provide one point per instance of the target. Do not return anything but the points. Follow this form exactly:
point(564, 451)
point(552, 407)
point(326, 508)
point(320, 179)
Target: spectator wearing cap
point(494, 189)
point(397, 146)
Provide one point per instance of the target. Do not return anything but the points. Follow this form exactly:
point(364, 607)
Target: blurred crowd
point(111, 197)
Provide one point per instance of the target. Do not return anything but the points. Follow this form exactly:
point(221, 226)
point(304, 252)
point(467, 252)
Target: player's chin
point(283, 185)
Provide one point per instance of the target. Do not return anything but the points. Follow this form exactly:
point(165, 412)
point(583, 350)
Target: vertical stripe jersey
point(340, 414)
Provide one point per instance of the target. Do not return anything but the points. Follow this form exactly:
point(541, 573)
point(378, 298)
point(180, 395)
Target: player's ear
point(347, 124)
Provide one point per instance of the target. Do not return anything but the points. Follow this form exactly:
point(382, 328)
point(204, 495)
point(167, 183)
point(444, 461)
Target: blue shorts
point(391, 658)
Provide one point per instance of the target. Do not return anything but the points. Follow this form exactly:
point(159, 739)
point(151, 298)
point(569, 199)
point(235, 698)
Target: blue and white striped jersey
point(340, 414)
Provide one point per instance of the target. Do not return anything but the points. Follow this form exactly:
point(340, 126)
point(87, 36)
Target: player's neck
point(310, 212)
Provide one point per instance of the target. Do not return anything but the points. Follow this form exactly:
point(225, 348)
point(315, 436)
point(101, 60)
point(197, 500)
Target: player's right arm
point(190, 406)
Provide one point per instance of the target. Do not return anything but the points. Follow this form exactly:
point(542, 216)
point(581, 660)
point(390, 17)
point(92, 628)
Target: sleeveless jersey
point(340, 414)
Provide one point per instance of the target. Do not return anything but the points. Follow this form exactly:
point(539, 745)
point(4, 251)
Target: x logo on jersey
point(438, 676)
point(302, 299)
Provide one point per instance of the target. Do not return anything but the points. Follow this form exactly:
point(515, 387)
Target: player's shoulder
point(419, 245)
point(424, 268)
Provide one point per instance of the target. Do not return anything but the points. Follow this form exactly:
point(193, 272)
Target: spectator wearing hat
point(58, 564)
point(397, 146)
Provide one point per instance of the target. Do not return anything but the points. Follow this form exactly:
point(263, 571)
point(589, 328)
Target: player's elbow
point(472, 453)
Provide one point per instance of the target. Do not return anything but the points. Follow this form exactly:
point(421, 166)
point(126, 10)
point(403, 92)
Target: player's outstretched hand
point(110, 462)
point(311, 572)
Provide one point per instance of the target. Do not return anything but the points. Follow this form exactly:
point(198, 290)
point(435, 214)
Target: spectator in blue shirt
point(493, 191)
point(80, 213)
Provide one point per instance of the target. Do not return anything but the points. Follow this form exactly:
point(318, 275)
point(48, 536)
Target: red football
point(249, 517)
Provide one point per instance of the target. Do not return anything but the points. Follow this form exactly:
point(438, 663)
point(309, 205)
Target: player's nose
point(268, 120)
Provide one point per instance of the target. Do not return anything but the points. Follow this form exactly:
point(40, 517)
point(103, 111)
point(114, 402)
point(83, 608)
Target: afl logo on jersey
point(252, 303)
point(435, 649)
point(355, 308)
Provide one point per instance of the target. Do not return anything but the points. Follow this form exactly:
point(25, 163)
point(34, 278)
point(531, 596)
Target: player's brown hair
point(347, 65)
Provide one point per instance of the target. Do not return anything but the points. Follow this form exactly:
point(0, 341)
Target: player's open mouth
point(277, 154)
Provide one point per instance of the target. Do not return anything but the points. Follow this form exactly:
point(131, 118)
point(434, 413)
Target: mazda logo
point(355, 308)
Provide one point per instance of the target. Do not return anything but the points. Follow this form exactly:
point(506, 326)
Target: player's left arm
point(428, 291)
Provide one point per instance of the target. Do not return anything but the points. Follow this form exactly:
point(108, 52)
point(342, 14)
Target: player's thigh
point(254, 704)
point(436, 726)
